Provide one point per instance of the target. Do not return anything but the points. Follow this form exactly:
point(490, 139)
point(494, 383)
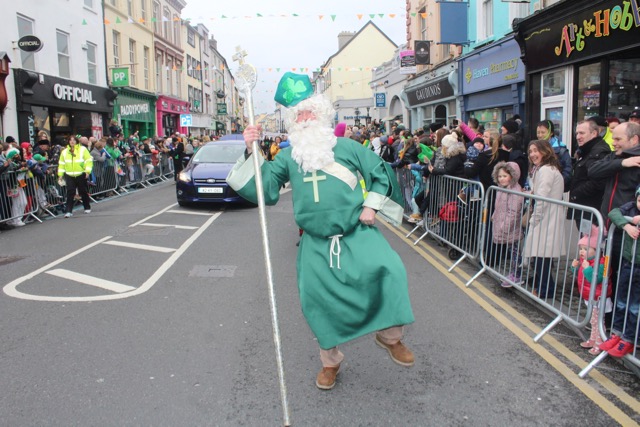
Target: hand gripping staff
point(245, 81)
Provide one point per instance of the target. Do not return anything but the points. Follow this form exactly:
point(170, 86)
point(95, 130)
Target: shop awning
point(389, 118)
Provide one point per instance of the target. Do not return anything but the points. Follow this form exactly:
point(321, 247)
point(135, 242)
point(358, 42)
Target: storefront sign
point(408, 62)
point(222, 108)
point(72, 93)
point(30, 44)
point(431, 92)
point(494, 67)
point(96, 125)
point(381, 99)
point(119, 77)
point(581, 34)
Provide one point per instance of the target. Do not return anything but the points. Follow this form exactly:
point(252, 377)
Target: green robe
point(355, 283)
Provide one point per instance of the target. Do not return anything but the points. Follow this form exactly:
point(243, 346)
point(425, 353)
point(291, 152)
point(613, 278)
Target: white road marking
point(91, 281)
point(180, 227)
point(140, 246)
point(11, 288)
point(152, 216)
point(189, 213)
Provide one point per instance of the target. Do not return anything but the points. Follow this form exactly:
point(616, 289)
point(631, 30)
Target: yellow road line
point(600, 400)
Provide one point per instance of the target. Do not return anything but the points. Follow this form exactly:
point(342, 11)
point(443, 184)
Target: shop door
point(555, 104)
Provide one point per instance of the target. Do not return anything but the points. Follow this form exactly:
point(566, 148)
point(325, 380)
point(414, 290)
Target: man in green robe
point(351, 282)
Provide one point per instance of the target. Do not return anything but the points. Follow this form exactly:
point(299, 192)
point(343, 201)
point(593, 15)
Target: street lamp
point(357, 118)
point(279, 120)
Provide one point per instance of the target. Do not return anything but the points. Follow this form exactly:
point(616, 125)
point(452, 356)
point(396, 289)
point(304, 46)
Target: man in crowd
point(343, 294)
point(584, 189)
point(634, 117)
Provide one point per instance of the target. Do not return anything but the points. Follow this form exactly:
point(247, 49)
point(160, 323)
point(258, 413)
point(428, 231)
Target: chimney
point(344, 37)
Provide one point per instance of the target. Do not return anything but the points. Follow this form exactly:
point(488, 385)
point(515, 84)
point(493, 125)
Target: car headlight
point(184, 176)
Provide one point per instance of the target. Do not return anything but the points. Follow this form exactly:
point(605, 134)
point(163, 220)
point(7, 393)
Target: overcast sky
point(280, 40)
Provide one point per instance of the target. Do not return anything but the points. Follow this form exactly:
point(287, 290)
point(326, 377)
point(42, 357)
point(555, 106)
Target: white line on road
point(91, 281)
point(152, 216)
point(140, 246)
point(180, 227)
point(189, 213)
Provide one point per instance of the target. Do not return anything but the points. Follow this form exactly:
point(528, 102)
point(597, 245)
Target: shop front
point(60, 107)
point(135, 111)
point(492, 83)
point(431, 97)
point(582, 59)
point(168, 112)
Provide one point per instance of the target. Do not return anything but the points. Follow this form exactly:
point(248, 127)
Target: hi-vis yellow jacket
point(76, 162)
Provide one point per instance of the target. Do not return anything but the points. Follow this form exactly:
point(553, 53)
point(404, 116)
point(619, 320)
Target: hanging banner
point(453, 22)
point(408, 62)
point(422, 50)
point(222, 109)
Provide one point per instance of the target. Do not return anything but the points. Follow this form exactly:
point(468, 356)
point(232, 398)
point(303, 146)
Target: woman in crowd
point(544, 221)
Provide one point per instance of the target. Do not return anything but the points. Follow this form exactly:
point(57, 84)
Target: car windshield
point(212, 153)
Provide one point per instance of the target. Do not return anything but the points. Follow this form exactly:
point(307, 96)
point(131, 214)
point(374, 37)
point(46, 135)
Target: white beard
point(312, 145)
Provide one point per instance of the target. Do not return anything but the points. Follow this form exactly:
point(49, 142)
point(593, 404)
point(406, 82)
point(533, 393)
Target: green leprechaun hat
point(292, 89)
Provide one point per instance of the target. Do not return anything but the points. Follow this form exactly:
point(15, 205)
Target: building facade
point(582, 59)
point(62, 88)
point(128, 28)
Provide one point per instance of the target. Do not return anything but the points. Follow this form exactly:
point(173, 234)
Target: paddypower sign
point(119, 77)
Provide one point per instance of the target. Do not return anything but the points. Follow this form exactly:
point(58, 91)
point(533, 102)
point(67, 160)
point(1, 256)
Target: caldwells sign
point(30, 44)
point(431, 92)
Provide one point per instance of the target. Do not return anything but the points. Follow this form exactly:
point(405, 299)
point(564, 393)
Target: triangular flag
point(141, 20)
point(372, 15)
point(359, 16)
point(293, 69)
point(223, 17)
point(278, 69)
point(106, 21)
point(84, 22)
point(175, 68)
point(424, 15)
point(295, 15)
point(176, 18)
point(392, 15)
point(118, 20)
point(198, 68)
point(381, 15)
point(320, 17)
point(165, 19)
point(270, 69)
point(154, 19)
point(333, 17)
point(259, 16)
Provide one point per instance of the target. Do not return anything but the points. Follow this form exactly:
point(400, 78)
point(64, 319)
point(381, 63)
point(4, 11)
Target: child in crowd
point(507, 214)
point(584, 267)
point(624, 331)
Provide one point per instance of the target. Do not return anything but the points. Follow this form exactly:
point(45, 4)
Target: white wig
point(318, 104)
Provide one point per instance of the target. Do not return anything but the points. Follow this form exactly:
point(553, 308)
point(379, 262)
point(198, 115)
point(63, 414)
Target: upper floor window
point(157, 25)
point(166, 23)
point(25, 28)
point(130, 7)
point(191, 38)
point(88, 3)
point(143, 10)
point(62, 42)
point(485, 29)
point(133, 63)
point(92, 63)
point(116, 48)
point(145, 67)
point(176, 30)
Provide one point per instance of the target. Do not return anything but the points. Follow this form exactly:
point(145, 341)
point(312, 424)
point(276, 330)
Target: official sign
point(30, 44)
point(185, 120)
point(119, 77)
point(222, 108)
point(381, 99)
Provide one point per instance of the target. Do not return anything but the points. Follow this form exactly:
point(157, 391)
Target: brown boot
point(326, 378)
point(399, 352)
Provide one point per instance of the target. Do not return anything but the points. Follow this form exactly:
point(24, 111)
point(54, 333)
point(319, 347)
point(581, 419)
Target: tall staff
point(246, 77)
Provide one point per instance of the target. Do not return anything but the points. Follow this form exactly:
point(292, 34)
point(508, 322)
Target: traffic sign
point(185, 120)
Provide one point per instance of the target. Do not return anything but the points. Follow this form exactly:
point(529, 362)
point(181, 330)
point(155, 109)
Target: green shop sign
point(119, 77)
point(136, 109)
point(222, 109)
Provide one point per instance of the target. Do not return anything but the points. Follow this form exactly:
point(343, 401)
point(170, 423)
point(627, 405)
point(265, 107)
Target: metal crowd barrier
point(452, 209)
point(534, 252)
point(103, 179)
point(18, 198)
point(166, 166)
point(626, 302)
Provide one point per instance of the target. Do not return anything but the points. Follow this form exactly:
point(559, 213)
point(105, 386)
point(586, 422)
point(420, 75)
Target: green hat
point(13, 152)
point(39, 158)
point(292, 89)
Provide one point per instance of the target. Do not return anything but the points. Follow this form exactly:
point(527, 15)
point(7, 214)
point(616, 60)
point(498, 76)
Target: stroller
point(459, 222)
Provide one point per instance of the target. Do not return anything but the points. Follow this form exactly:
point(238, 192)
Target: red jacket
point(584, 285)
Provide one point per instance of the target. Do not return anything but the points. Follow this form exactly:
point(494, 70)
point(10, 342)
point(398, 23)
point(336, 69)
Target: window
point(88, 3)
point(178, 90)
point(159, 73)
point(169, 73)
point(132, 61)
point(189, 69)
point(157, 21)
point(166, 23)
point(624, 93)
point(145, 67)
point(589, 84)
point(25, 28)
point(485, 29)
point(130, 7)
point(191, 38)
point(190, 97)
point(113, 2)
point(423, 24)
point(62, 40)
point(92, 63)
point(143, 10)
point(176, 30)
point(116, 48)
point(206, 73)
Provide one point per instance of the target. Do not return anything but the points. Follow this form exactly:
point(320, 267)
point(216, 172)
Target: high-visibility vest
point(75, 163)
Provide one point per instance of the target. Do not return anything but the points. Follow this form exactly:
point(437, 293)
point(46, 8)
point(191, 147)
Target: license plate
point(210, 190)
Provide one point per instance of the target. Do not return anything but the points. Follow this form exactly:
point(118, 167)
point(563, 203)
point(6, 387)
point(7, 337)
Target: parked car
point(204, 179)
